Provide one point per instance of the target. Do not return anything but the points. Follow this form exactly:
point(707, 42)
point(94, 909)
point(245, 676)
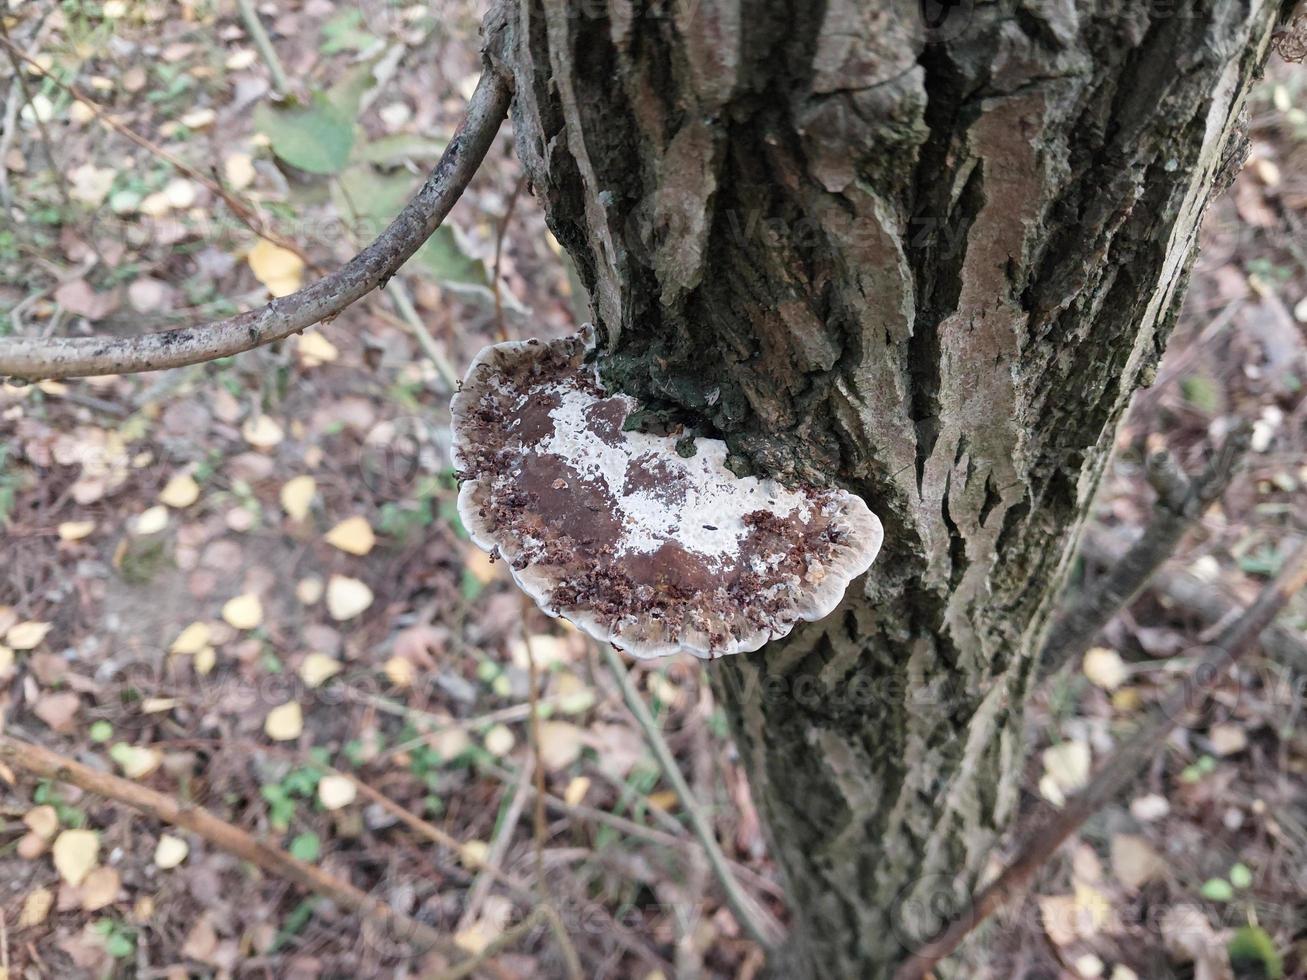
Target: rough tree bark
point(930, 262)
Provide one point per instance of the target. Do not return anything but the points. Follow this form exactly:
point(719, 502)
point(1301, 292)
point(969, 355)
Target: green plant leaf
point(443, 257)
point(345, 32)
point(306, 847)
point(316, 138)
point(1241, 876)
point(1217, 890)
point(1251, 944)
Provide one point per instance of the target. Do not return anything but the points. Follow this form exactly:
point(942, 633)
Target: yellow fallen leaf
point(154, 706)
point(473, 853)
point(170, 852)
point(244, 612)
point(75, 853)
point(75, 530)
point(180, 491)
point(308, 590)
point(137, 761)
point(479, 564)
point(560, 744)
point(1227, 739)
point(280, 269)
point(284, 722)
point(238, 168)
point(100, 889)
point(314, 349)
point(347, 597)
point(42, 821)
point(192, 639)
point(1134, 862)
point(1067, 765)
point(204, 661)
point(26, 635)
point(576, 789)
point(476, 937)
point(1105, 668)
point(152, 520)
point(353, 536)
point(499, 740)
point(36, 907)
point(450, 744)
point(297, 495)
point(317, 668)
point(399, 671)
point(262, 432)
point(336, 791)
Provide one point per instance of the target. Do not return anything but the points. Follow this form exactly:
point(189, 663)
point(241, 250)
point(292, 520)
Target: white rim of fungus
point(645, 525)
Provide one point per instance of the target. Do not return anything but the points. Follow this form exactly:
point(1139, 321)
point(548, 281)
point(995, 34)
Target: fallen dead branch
point(34, 359)
point(1120, 769)
point(1180, 502)
point(35, 760)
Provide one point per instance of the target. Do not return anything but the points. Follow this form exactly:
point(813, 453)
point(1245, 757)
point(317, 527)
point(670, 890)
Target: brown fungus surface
point(616, 532)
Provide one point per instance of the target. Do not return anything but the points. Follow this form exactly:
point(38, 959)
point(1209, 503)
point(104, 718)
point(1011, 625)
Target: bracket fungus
point(618, 533)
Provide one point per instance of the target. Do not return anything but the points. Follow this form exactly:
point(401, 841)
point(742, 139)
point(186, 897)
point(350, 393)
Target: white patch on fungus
point(635, 544)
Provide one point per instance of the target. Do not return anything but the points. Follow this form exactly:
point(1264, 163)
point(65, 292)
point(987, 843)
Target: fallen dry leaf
point(335, 791)
point(58, 710)
point(192, 639)
point(317, 668)
point(36, 907)
point(244, 612)
point(1227, 739)
point(347, 597)
point(75, 853)
point(180, 491)
point(314, 349)
point(152, 520)
point(170, 852)
point(560, 744)
point(100, 889)
point(353, 536)
point(1066, 769)
point(280, 269)
point(42, 821)
point(1105, 668)
point(75, 530)
point(262, 432)
point(297, 495)
point(1134, 862)
point(499, 740)
point(284, 722)
point(26, 635)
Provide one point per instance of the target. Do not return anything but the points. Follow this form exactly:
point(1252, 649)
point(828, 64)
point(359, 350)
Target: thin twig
point(63, 357)
point(264, 43)
point(539, 826)
point(499, 845)
point(243, 211)
point(1180, 502)
point(45, 764)
point(507, 938)
point(630, 828)
point(754, 919)
point(15, 53)
point(501, 332)
point(1208, 602)
point(1121, 768)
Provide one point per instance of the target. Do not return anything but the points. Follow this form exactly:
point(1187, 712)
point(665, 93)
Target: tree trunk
point(931, 263)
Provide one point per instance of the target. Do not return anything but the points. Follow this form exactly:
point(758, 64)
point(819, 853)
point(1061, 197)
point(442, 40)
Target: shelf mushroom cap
point(616, 532)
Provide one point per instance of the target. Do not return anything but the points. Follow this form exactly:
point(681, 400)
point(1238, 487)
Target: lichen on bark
point(929, 263)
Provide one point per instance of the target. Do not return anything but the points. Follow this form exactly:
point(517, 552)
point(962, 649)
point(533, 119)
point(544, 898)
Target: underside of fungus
point(618, 533)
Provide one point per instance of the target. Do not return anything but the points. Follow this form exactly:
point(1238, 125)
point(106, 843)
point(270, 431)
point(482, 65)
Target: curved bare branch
point(34, 359)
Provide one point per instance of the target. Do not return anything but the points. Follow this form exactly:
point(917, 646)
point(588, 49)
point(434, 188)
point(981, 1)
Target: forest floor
point(244, 584)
